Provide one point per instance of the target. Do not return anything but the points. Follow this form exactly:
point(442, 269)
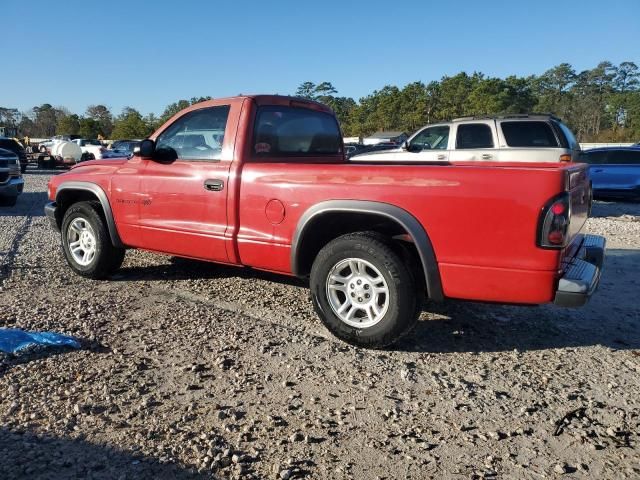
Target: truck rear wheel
point(86, 242)
point(363, 291)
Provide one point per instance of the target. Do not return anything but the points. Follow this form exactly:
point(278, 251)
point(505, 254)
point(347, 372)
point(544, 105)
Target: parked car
point(614, 171)
point(125, 147)
point(509, 138)
point(17, 148)
point(351, 149)
point(262, 181)
point(11, 182)
point(374, 148)
point(91, 149)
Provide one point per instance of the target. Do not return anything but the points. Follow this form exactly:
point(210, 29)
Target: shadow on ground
point(611, 208)
point(186, 269)
point(29, 203)
point(455, 326)
point(26, 455)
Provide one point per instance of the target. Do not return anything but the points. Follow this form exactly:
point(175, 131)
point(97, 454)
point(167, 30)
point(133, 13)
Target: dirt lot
point(192, 370)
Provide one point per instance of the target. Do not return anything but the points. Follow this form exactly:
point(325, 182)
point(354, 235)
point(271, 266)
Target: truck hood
point(378, 155)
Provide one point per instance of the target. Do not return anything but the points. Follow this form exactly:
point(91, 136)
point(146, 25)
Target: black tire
point(403, 303)
point(107, 258)
point(8, 201)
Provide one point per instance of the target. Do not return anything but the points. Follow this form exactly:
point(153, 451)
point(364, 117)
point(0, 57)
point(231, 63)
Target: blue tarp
point(13, 340)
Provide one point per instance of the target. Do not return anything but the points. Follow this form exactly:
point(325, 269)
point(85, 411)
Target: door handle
point(597, 170)
point(213, 184)
point(486, 156)
point(441, 157)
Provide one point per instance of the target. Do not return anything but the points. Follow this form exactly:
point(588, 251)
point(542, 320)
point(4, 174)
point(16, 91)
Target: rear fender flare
point(402, 217)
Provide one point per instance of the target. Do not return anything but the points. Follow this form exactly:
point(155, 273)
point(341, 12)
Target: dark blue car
point(614, 171)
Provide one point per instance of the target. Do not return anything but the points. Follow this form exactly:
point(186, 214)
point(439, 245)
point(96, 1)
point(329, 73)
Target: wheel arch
point(72, 192)
point(314, 219)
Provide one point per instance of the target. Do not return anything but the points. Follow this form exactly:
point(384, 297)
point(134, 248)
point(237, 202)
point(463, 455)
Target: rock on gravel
point(197, 370)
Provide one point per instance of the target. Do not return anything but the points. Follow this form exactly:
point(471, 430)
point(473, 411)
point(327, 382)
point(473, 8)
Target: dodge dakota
point(262, 182)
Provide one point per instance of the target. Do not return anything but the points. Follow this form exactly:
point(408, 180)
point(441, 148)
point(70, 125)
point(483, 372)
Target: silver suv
point(509, 138)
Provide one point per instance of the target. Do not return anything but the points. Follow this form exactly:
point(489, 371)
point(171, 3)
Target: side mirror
point(405, 145)
point(146, 149)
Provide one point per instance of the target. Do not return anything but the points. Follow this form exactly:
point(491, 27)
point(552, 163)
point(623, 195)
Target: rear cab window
point(530, 134)
point(282, 131)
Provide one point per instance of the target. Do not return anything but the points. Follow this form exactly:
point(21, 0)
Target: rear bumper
point(12, 188)
point(582, 275)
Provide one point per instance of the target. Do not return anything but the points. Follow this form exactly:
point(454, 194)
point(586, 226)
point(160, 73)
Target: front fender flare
point(104, 201)
point(402, 217)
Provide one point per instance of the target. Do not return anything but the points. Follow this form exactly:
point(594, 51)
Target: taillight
point(565, 157)
point(553, 230)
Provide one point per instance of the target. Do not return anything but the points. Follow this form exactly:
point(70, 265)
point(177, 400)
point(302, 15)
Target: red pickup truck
point(263, 182)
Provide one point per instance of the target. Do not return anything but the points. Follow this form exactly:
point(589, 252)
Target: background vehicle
point(11, 182)
point(125, 147)
point(262, 181)
point(15, 147)
point(373, 148)
point(614, 171)
point(511, 138)
point(94, 150)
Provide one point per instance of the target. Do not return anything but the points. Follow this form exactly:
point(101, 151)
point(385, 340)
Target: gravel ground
point(191, 370)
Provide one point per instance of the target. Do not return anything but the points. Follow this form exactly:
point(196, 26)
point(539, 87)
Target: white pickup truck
point(91, 149)
point(509, 138)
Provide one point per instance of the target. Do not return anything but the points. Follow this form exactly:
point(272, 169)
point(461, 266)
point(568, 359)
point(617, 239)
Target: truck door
point(475, 141)
point(183, 209)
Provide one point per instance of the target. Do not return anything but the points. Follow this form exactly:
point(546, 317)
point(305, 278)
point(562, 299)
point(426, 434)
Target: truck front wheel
point(86, 242)
point(363, 291)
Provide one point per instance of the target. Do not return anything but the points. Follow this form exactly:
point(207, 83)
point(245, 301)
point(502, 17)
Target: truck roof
point(510, 116)
point(266, 99)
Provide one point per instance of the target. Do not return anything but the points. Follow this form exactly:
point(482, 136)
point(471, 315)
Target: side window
point(624, 157)
point(198, 135)
point(474, 135)
point(594, 157)
point(528, 134)
point(435, 138)
point(291, 131)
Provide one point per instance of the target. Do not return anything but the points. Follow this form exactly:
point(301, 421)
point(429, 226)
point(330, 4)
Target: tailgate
point(579, 187)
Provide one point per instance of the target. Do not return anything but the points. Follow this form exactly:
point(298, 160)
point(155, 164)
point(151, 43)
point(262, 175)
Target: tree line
point(599, 104)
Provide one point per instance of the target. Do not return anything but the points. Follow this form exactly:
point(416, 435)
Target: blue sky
point(149, 54)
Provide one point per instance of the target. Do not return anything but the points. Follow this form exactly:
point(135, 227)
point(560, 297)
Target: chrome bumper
point(582, 276)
